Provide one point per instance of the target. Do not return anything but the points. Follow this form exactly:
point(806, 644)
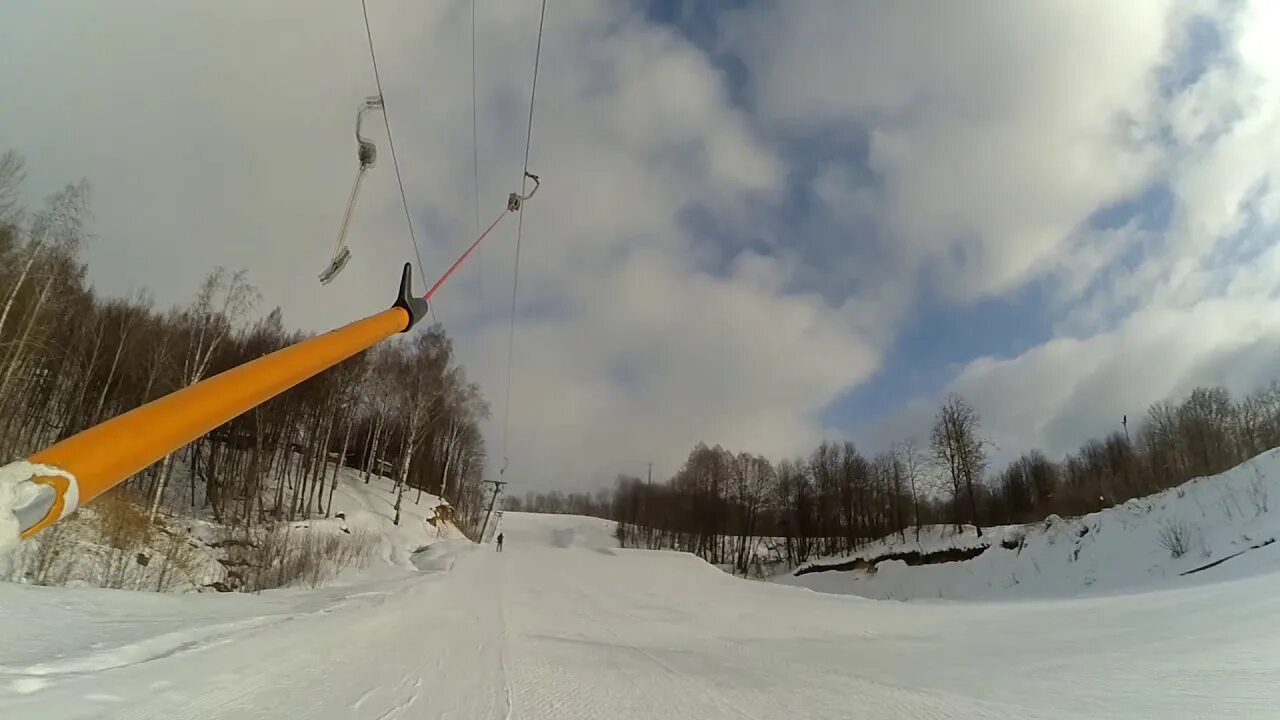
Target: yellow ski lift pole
point(53, 482)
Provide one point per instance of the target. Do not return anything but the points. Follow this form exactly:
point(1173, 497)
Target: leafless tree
point(221, 304)
point(958, 450)
point(912, 462)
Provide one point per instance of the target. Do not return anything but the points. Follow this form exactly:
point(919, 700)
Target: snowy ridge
point(932, 539)
point(1210, 528)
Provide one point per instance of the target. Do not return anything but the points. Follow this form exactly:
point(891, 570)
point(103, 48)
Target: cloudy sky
point(761, 223)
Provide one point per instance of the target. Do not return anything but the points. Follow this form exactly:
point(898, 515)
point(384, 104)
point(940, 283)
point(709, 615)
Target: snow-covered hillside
point(1208, 529)
point(108, 543)
point(370, 508)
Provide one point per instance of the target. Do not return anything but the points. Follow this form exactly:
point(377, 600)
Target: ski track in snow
point(563, 625)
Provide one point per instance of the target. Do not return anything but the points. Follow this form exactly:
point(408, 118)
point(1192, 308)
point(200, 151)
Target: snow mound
point(370, 508)
point(439, 557)
point(558, 531)
point(1208, 529)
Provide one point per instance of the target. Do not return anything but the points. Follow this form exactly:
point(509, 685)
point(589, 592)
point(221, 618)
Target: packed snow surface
point(564, 625)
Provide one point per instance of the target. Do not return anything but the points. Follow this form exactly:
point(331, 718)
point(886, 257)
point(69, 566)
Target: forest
point(70, 358)
point(723, 506)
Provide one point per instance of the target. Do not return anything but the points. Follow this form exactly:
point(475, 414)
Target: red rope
point(463, 256)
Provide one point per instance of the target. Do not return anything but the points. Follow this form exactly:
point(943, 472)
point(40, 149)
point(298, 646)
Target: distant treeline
point(837, 499)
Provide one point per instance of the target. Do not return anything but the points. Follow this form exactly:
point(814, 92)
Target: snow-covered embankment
point(1210, 528)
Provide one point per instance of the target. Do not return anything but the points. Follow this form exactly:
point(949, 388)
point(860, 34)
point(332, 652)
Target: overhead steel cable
point(515, 273)
point(395, 162)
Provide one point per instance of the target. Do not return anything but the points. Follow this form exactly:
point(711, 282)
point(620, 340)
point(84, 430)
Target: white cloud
point(657, 357)
point(1067, 390)
point(995, 131)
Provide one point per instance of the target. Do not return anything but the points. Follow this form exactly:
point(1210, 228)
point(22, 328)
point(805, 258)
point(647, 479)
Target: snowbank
point(1208, 529)
point(110, 543)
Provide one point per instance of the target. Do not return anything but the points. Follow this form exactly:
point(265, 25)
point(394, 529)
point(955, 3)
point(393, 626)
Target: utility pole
point(650, 474)
point(1125, 422)
point(497, 490)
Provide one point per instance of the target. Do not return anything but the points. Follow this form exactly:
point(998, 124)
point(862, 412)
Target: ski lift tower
point(497, 490)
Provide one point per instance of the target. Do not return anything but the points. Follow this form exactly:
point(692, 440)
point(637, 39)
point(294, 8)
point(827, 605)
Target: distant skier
point(499, 542)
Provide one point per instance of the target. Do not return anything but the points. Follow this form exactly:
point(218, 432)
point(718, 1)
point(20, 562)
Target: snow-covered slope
point(1208, 529)
point(371, 508)
point(109, 543)
point(560, 531)
point(541, 632)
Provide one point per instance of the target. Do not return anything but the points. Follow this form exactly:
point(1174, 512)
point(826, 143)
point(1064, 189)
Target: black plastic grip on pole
point(414, 306)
